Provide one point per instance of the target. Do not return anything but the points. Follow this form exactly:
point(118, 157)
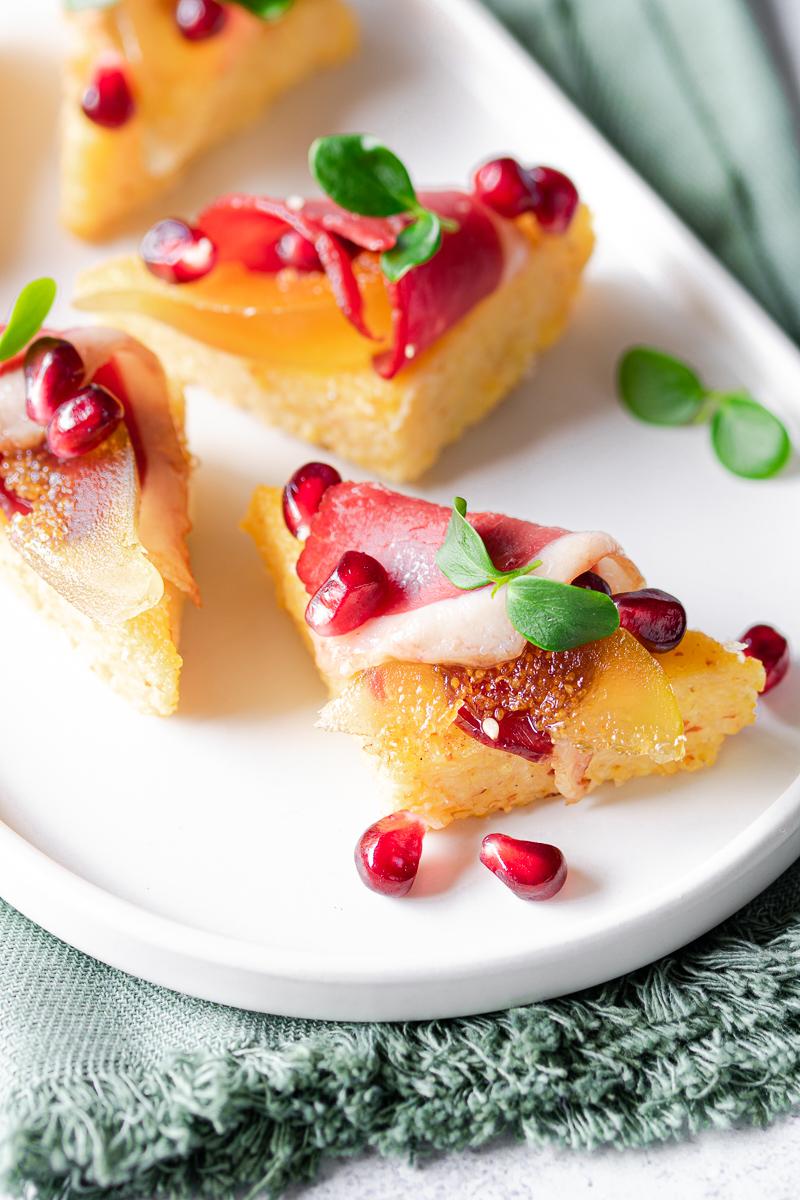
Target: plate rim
point(758, 853)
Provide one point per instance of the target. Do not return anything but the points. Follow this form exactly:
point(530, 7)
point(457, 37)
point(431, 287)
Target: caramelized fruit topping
point(387, 854)
point(54, 371)
point(355, 591)
point(531, 870)
point(771, 649)
point(303, 494)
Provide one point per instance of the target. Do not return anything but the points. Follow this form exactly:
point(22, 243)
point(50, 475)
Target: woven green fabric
point(111, 1084)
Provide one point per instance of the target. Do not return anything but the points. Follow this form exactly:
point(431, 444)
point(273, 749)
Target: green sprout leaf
point(558, 616)
point(747, 438)
point(361, 175)
point(365, 177)
point(551, 615)
point(416, 244)
point(268, 10)
point(463, 557)
point(32, 306)
point(658, 388)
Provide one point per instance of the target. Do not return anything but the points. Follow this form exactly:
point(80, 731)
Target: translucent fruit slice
point(81, 536)
point(289, 318)
point(608, 695)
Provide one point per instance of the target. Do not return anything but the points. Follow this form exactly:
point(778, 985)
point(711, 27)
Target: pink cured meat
point(426, 302)
point(404, 534)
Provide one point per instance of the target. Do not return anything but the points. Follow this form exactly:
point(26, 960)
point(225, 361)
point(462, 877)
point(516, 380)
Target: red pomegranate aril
point(357, 590)
point(515, 733)
point(592, 582)
point(176, 253)
point(83, 422)
point(54, 371)
point(555, 198)
point(771, 649)
point(531, 870)
point(387, 854)
point(303, 494)
point(108, 100)
point(293, 250)
point(656, 618)
point(504, 186)
point(199, 19)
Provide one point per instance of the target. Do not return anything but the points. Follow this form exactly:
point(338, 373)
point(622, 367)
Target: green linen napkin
point(111, 1084)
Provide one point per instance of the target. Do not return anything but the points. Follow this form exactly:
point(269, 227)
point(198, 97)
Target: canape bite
point(93, 504)
point(151, 84)
point(466, 715)
point(285, 308)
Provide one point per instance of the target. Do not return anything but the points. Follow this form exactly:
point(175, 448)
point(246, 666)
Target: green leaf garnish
point(363, 176)
point(658, 388)
point(748, 439)
point(268, 10)
point(558, 616)
point(549, 614)
point(416, 244)
point(27, 316)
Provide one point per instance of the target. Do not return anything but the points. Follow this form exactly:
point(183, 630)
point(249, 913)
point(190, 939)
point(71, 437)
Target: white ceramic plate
point(213, 851)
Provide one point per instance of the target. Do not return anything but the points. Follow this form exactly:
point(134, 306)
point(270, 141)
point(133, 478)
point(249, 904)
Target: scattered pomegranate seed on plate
point(54, 371)
point(387, 854)
point(531, 870)
point(771, 649)
point(303, 494)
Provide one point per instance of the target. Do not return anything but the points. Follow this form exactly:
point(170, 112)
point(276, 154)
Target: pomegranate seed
point(770, 648)
point(175, 252)
point(108, 100)
point(303, 494)
point(515, 732)
point(357, 590)
point(504, 186)
point(532, 870)
point(294, 250)
point(592, 582)
point(199, 19)
point(54, 371)
point(555, 198)
point(656, 618)
point(83, 422)
point(387, 854)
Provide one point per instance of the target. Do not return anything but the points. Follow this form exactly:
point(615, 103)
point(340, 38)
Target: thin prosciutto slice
point(109, 528)
point(428, 618)
point(425, 303)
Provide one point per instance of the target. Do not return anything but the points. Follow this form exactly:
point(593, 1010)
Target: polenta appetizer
point(377, 322)
point(94, 482)
point(488, 662)
point(151, 84)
